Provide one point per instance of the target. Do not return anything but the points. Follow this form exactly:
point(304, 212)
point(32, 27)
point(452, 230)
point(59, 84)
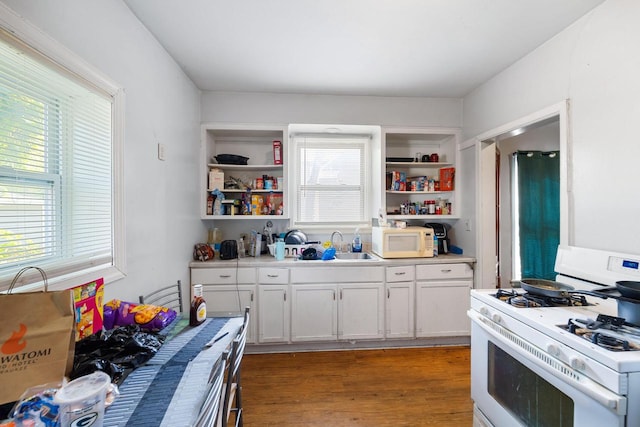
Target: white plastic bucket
point(82, 401)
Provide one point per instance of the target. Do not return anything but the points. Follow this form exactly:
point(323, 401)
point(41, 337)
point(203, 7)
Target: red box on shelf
point(447, 178)
point(277, 152)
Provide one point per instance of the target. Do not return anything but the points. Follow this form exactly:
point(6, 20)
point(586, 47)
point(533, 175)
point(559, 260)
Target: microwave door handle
point(587, 386)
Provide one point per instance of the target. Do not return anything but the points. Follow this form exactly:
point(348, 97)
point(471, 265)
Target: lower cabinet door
point(313, 313)
point(360, 311)
point(399, 310)
point(230, 300)
point(441, 308)
point(274, 317)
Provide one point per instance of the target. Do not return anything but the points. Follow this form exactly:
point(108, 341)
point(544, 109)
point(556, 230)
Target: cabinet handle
point(447, 270)
point(400, 273)
point(273, 276)
point(285, 295)
point(252, 296)
point(388, 293)
point(340, 293)
point(225, 276)
point(334, 295)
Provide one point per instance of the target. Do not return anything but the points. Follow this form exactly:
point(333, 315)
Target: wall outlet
point(467, 224)
point(161, 151)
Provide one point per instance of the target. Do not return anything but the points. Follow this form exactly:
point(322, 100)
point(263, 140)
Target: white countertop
point(269, 261)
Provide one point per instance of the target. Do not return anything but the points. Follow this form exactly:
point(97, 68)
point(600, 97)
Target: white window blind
point(56, 183)
point(331, 182)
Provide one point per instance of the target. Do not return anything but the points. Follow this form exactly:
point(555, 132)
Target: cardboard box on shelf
point(216, 179)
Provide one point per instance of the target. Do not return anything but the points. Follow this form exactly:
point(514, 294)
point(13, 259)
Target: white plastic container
point(82, 401)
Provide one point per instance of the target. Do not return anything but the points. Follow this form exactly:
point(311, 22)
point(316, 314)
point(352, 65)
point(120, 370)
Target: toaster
point(228, 249)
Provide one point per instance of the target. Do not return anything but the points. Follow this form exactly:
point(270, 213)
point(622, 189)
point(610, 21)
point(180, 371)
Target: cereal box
point(87, 300)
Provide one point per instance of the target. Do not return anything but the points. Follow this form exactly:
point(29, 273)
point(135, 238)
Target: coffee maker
point(440, 231)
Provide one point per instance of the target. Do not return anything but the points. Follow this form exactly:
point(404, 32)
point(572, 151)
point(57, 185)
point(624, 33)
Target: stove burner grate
point(614, 340)
point(526, 299)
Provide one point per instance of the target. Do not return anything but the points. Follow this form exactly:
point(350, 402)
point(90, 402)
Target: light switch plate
point(161, 151)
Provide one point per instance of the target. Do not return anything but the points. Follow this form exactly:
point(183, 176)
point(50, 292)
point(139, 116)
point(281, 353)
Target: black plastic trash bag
point(117, 352)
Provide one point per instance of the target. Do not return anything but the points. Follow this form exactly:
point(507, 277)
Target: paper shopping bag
point(37, 340)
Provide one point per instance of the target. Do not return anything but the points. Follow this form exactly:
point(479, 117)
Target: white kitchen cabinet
point(328, 312)
point(228, 291)
point(442, 299)
point(256, 143)
point(314, 312)
point(402, 147)
point(360, 311)
point(274, 315)
point(230, 300)
point(343, 303)
point(399, 305)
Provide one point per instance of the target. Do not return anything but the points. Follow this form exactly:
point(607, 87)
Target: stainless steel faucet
point(338, 248)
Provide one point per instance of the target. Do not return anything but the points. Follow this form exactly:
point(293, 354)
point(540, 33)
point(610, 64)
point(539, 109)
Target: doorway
point(528, 202)
point(498, 247)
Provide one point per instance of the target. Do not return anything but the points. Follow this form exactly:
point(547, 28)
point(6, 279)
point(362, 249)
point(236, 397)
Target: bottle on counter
point(356, 246)
point(435, 244)
point(198, 312)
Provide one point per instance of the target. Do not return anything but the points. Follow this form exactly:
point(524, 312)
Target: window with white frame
point(331, 179)
point(58, 190)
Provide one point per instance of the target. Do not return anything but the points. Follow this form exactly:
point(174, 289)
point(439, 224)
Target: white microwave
point(409, 242)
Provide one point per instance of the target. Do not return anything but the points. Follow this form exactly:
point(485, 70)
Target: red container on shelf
point(277, 152)
point(447, 179)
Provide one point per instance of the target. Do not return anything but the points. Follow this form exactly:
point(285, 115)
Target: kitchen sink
point(353, 255)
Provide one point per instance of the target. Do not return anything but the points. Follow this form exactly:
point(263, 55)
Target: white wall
point(162, 105)
point(239, 107)
point(592, 63)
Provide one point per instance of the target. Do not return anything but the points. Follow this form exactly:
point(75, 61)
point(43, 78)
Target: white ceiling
point(432, 48)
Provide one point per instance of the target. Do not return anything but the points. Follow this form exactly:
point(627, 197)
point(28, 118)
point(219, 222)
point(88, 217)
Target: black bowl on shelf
point(231, 159)
point(400, 159)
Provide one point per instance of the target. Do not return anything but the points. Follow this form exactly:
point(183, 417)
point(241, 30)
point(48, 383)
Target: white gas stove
point(549, 361)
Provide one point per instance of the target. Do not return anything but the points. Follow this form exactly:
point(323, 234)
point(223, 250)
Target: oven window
point(526, 395)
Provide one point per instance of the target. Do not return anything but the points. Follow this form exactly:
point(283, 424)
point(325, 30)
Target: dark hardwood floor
point(390, 387)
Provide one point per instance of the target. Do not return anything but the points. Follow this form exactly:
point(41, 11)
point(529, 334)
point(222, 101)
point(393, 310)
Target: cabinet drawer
point(222, 276)
point(330, 274)
point(405, 273)
point(279, 276)
point(443, 271)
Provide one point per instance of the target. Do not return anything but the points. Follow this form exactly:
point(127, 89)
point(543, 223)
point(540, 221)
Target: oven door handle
point(584, 384)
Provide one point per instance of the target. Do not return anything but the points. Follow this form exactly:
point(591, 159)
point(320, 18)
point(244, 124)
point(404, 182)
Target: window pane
point(331, 179)
point(55, 167)
point(331, 166)
point(27, 221)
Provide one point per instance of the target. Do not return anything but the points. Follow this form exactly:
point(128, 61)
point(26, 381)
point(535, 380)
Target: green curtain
point(539, 206)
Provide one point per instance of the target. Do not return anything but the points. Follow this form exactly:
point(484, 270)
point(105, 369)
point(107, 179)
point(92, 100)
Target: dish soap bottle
point(356, 246)
point(198, 312)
